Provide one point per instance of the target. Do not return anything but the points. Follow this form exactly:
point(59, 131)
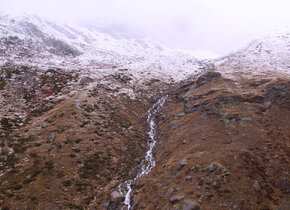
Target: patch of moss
point(84, 123)
point(5, 123)
point(60, 175)
point(76, 150)
point(78, 141)
point(72, 155)
point(17, 187)
point(2, 83)
point(49, 165)
point(66, 183)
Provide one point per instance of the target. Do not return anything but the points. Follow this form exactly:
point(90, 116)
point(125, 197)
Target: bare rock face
point(278, 93)
point(207, 77)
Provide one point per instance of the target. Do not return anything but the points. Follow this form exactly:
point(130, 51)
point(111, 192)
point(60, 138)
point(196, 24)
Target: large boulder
point(116, 197)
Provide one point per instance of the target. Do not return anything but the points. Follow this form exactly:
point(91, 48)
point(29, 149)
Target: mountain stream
point(148, 162)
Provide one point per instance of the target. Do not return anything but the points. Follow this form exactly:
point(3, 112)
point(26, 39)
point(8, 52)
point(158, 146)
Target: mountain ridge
point(72, 121)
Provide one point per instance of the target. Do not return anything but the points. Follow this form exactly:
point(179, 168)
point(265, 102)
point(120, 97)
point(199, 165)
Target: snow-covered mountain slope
point(38, 42)
point(268, 54)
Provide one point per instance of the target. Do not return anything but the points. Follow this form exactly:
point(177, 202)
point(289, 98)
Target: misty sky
point(214, 25)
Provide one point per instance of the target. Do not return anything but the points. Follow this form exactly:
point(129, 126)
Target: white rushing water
point(148, 162)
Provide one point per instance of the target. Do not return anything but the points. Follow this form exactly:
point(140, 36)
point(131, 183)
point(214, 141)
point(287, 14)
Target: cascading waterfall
point(148, 162)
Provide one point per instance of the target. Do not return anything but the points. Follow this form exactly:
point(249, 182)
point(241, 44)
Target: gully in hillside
point(148, 162)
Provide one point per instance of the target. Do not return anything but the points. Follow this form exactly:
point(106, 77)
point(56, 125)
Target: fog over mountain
point(208, 25)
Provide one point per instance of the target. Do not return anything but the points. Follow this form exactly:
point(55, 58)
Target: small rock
point(176, 198)
point(54, 149)
point(210, 168)
point(135, 204)
point(227, 173)
point(176, 117)
point(256, 185)
point(80, 165)
point(184, 141)
point(189, 205)
point(188, 178)
point(194, 168)
point(200, 199)
point(181, 164)
point(116, 197)
point(51, 137)
point(174, 126)
point(70, 139)
point(168, 192)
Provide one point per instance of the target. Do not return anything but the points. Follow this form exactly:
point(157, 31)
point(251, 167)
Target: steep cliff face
point(224, 144)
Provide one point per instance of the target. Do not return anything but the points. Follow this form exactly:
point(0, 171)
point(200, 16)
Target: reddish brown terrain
point(83, 120)
point(69, 152)
point(224, 144)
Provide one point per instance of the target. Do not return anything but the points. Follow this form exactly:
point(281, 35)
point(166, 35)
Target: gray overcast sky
point(215, 25)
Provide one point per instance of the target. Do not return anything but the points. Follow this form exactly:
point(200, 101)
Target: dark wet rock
point(168, 192)
point(278, 93)
point(175, 126)
point(176, 198)
point(51, 137)
point(189, 205)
